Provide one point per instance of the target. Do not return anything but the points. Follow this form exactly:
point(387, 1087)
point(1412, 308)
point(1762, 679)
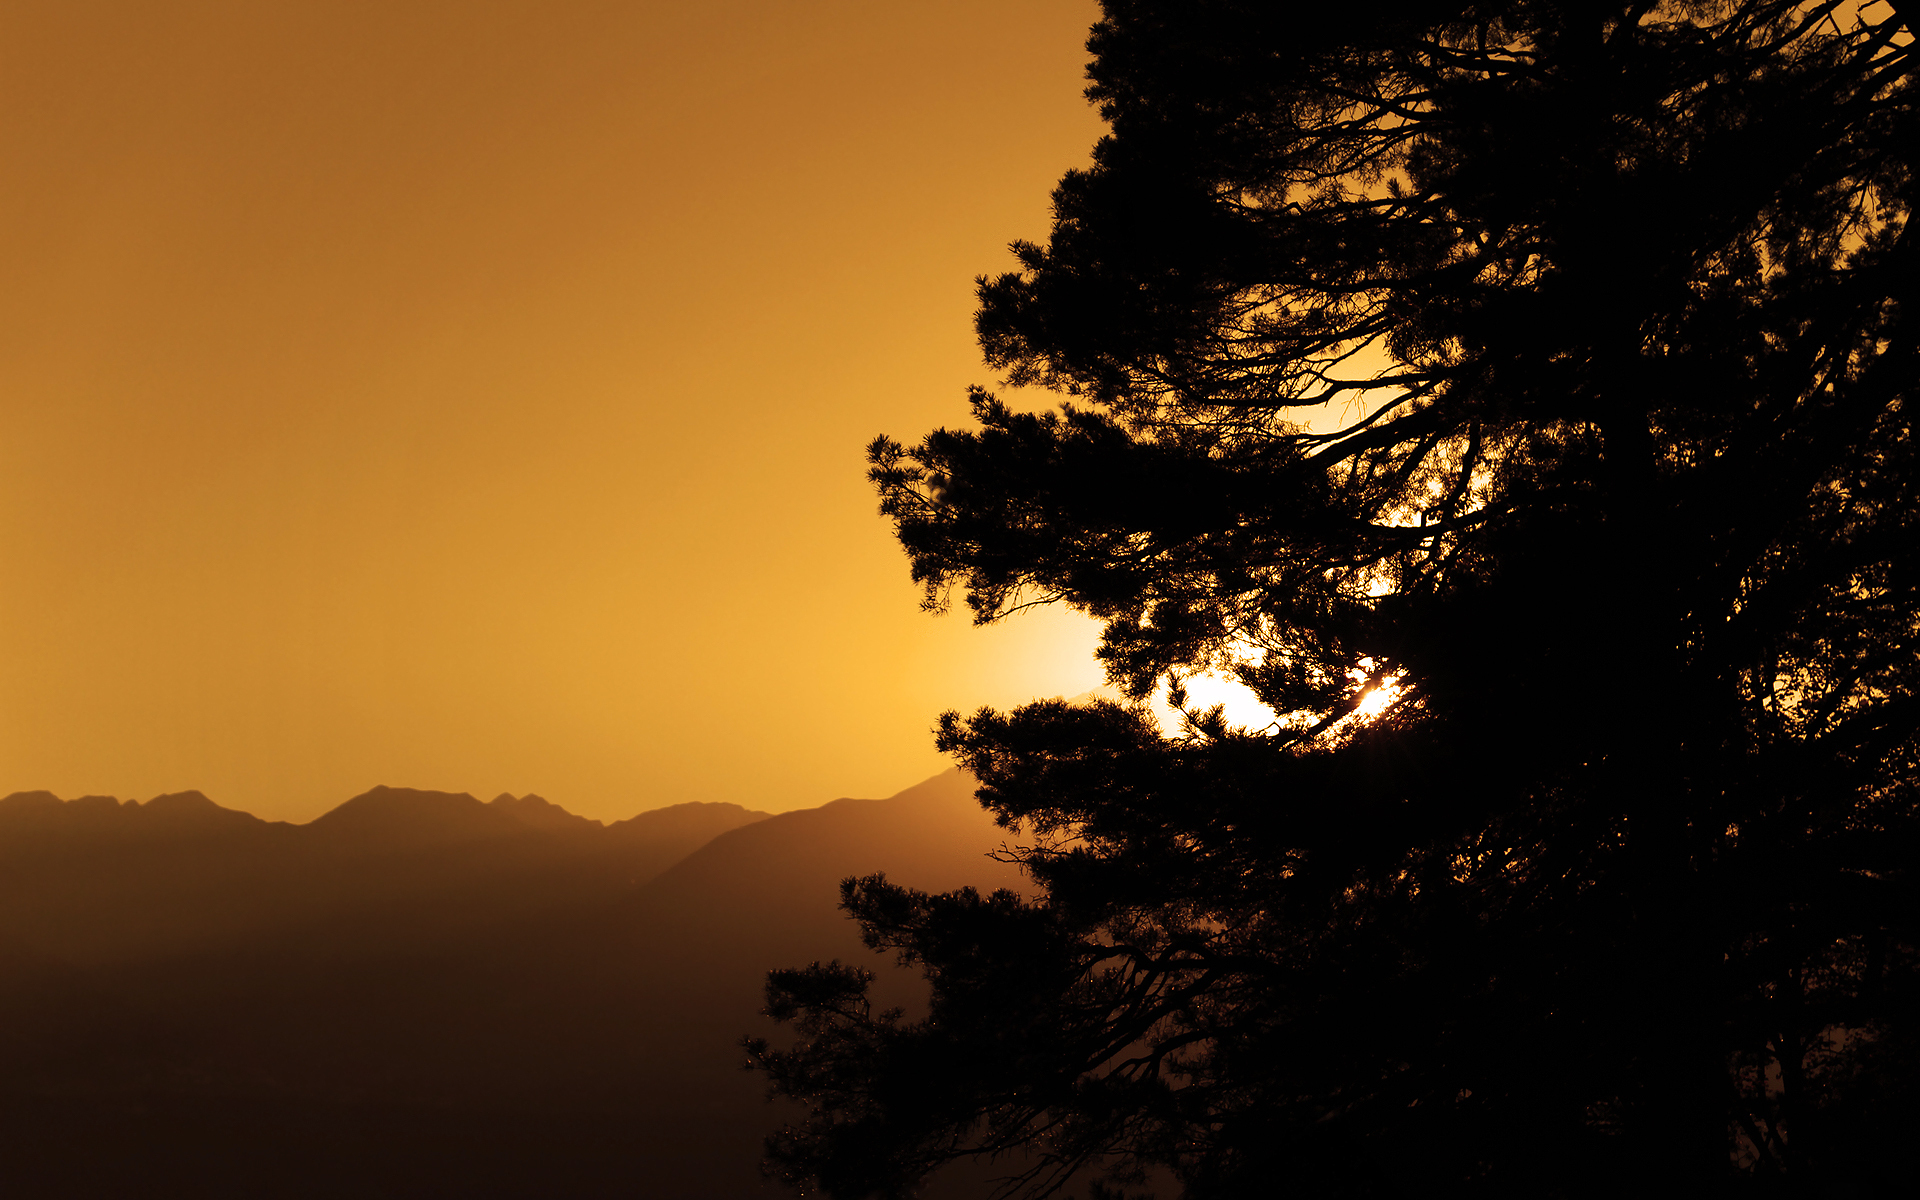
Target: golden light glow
point(1241, 708)
point(1380, 693)
point(1376, 701)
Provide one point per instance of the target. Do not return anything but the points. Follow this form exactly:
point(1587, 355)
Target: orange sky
point(471, 395)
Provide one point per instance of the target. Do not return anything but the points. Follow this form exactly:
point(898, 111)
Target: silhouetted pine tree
point(1544, 366)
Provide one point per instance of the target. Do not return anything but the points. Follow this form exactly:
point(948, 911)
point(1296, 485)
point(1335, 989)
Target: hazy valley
point(420, 993)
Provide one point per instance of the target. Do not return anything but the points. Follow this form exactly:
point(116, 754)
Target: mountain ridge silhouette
point(530, 809)
point(100, 880)
point(471, 1036)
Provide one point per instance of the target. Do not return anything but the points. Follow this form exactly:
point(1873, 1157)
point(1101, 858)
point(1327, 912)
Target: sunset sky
point(472, 395)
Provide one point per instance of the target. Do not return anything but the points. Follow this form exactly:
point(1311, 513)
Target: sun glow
point(1244, 710)
point(1376, 701)
point(1236, 701)
point(1381, 692)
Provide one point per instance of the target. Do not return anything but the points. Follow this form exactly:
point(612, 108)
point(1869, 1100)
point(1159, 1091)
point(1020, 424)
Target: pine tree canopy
point(1513, 397)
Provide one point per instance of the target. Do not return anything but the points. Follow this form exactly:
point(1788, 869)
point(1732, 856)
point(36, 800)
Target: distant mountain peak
point(192, 799)
point(26, 800)
point(540, 812)
point(398, 818)
point(29, 818)
point(678, 819)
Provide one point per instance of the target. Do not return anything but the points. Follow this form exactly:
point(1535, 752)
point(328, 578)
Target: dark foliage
point(1539, 370)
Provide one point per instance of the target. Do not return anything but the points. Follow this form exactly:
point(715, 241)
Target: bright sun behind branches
point(1244, 710)
point(1377, 700)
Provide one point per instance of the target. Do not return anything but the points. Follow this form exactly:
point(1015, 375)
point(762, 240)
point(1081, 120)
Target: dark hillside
point(587, 1051)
